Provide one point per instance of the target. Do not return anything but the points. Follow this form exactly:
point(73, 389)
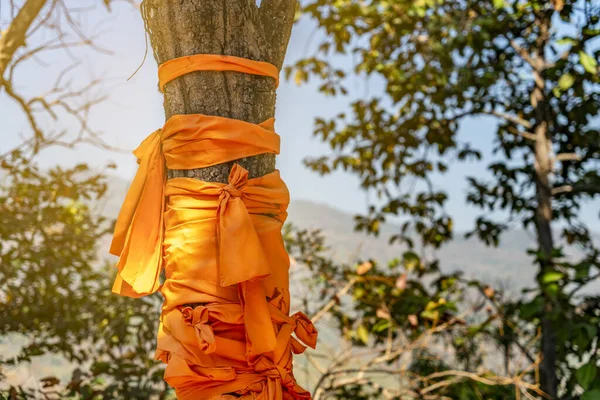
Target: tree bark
point(229, 27)
point(543, 169)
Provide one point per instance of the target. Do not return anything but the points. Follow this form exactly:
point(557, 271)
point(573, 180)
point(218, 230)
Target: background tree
point(407, 331)
point(55, 26)
point(530, 64)
point(55, 294)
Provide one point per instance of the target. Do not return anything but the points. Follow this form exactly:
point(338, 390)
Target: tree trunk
point(543, 169)
point(232, 27)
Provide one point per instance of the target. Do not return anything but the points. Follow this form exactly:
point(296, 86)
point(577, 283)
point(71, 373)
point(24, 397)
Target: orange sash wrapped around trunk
point(220, 246)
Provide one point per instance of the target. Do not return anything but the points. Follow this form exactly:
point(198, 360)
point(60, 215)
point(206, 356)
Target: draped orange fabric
point(221, 248)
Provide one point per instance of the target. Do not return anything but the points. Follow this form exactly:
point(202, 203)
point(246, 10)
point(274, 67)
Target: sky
point(134, 109)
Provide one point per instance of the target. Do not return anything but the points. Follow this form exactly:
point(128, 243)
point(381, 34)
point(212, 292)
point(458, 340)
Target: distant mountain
point(507, 262)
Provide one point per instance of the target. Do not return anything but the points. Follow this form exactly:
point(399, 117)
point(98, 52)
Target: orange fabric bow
point(220, 246)
point(185, 142)
point(198, 318)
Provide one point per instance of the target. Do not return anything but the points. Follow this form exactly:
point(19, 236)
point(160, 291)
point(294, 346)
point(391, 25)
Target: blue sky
point(134, 109)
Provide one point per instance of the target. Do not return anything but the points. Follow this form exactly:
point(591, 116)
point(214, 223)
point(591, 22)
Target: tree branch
point(523, 53)
point(582, 284)
point(14, 36)
point(526, 135)
point(39, 135)
point(510, 118)
point(319, 314)
point(567, 157)
point(507, 117)
point(588, 188)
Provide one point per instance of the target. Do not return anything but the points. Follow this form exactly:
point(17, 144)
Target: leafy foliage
point(55, 294)
point(532, 66)
point(414, 332)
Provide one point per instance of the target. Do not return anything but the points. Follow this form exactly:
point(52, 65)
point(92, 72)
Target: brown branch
point(526, 135)
point(513, 119)
point(39, 135)
point(41, 22)
point(319, 314)
point(62, 100)
point(588, 188)
point(510, 118)
point(562, 189)
point(77, 29)
point(14, 36)
point(567, 157)
point(521, 51)
point(507, 322)
point(367, 367)
point(488, 380)
point(583, 284)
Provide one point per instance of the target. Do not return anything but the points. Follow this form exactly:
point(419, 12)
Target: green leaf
point(381, 325)
point(300, 77)
point(431, 315)
point(583, 270)
point(100, 368)
point(565, 40)
point(552, 289)
point(591, 330)
point(585, 375)
point(362, 333)
point(566, 81)
point(529, 310)
point(359, 292)
point(411, 260)
point(589, 63)
point(499, 3)
point(552, 276)
point(556, 91)
point(591, 395)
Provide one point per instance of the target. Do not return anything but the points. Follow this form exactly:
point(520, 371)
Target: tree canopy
point(533, 66)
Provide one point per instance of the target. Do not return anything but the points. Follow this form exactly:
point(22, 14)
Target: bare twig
point(14, 36)
point(523, 53)
point(567, 157)
point(319, 314)
point(62, 101)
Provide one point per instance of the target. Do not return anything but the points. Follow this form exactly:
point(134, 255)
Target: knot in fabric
point(199, 318)
point(238, 177)
point(237, 236)
point(232, 190)
point(277, 372)
point(185, 142)
point(274, 378)
point(304, 329)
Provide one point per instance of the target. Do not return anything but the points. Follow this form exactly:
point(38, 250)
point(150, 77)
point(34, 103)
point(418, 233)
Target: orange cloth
point(177, 67)
point(220, 245)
